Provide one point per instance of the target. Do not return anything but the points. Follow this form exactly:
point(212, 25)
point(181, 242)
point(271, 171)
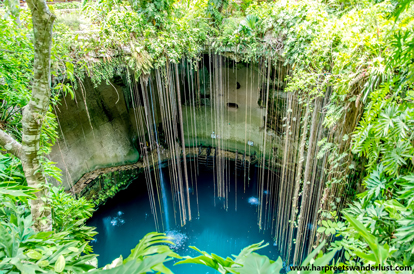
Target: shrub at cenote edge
point(361, 52)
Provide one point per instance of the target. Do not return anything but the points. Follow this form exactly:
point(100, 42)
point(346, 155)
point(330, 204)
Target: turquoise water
point(126, 218)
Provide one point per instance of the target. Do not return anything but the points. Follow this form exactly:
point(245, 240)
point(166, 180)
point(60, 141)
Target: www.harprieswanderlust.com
point(351, 268)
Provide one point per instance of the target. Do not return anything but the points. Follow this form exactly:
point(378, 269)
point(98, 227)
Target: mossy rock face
point(106, 185)
point(90, 194)
point(96, 132)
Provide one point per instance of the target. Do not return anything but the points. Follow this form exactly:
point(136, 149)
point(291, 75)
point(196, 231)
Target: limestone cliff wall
point(96, 131)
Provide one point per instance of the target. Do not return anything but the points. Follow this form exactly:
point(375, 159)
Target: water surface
point(127, 217)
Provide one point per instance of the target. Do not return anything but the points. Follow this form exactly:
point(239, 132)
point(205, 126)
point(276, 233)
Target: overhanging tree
point(34, 114)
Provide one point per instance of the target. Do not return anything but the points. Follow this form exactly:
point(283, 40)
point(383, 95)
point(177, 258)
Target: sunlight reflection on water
point(177, 238)
point(253, 201)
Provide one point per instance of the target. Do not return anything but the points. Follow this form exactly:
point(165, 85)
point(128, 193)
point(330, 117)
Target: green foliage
point(400, 6)
point(11, 169)
point(248, 25)
point(376, 183)
point(16, 192)
point(155, 11)
point(384, 212)
point(13, 8)
point(224, 265)
point(67, 5)
point(385, 134)
point(16, 77)
point(62, 250)
point(330, 228)
point(407, 190)
point(215, 8)
point(72, 20)
point(108, 185)
point(383, 216)
point(378, 253)
point(249, 262)
point(255, 263)
point(31, 252)
point(149, 255)
point(24, 251)
point(69, 215)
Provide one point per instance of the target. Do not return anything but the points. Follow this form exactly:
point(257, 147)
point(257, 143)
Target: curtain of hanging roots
point(186, 102)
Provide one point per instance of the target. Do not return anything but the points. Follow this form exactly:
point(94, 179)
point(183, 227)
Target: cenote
point(220, 125)
point(217, 227)
point(206, 150)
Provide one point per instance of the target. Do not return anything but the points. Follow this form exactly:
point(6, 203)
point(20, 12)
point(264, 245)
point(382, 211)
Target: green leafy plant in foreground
point(378, 253)
point(24, 251)
point(379, 227)
point(70, 215)
point(249, 262)
point(149, 255)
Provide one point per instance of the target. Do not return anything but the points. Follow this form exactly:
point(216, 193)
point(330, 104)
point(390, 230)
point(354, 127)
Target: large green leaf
point(60, 264)
point(248, 250)
point(62, 250)
point(321, 261)
point(213, 261)
point(258, 264)
point(17, 192)
point(238, 264)
point(8, 242)
point(405, 233)
point(33, 254)
point(202, 260)
point(380, 252)
point(28, 268)
point(145, 265)
point(376, 182)
point(313, 254)
point(152, 243)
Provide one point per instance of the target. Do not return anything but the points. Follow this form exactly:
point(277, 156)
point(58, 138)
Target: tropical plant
point(69, 215)
point(383, 217)
point(149, 255)
point(377, 253)
point(25, 251)
point(386, 135)
point(155, 11)
point(249, 262)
